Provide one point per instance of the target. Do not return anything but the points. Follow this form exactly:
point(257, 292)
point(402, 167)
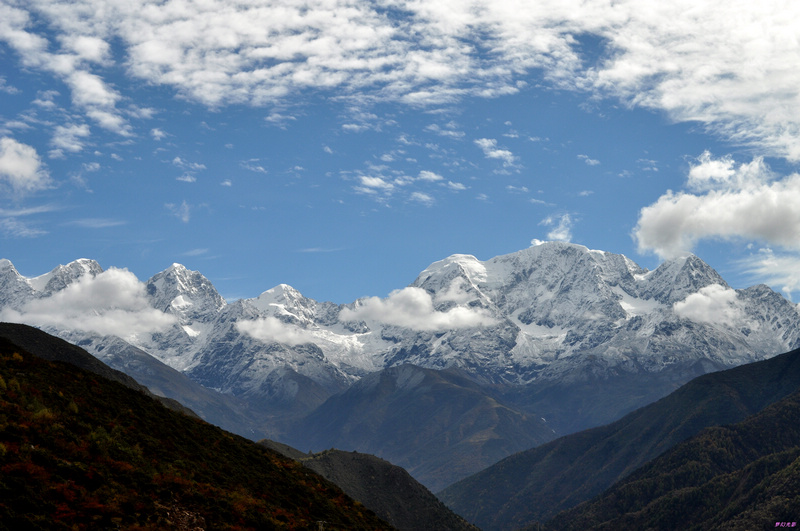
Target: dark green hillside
point(537, 484)
point(744, 476)
point(386, 489)
point(78, 451)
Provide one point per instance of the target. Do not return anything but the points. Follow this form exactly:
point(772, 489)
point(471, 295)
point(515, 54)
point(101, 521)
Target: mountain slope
point(79, 450)
point(438, 425)
point(386, 489)
point(536, 484)
point(743, 476)
point(556, 331)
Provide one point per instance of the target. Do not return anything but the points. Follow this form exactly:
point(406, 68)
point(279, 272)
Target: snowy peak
point(184, 293)
point(676, 279)
point(64, 275)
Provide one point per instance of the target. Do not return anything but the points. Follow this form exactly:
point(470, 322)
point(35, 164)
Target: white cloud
point(112, 303)
point(455, 292)
point(96, 223)
point(732, 70)
point(271, 329)
point(429, 176)
point(562, 227)
point(196, 166)
point(589, 161)
point(412, 307)
point(714, 304)
point(456, 187)
point(21, 167)
point(19, 229)
point(253, 166)
point(742, 201)
point(491, 151)
point(70, 137)
point(780, 269)
point(423, 198)
point(157, 134)
point(182, 211)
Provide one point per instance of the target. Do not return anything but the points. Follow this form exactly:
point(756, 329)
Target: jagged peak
point(63, 275)
point(470, 266)
point(5, 264)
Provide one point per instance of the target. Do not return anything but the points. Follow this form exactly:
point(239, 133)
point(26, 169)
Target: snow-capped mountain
point(552, 312)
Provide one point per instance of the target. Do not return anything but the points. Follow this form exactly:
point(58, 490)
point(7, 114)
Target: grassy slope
point(80, 451)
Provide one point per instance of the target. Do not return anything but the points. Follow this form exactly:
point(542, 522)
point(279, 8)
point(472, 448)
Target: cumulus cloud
point(413, 308)
point(589, 161)
point(744, 201)
point(271, 329)
point(70, 137)
point(491, 151)
point(21, 167)
point(714, 304)
point(112, 303)
point(562, 227)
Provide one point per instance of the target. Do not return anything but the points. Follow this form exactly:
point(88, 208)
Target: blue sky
point(341, 146)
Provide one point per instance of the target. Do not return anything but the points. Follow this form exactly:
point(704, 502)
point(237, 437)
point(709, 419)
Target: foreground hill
point(536, 484)
point(740, 477)
point(386, 489)
point(80, 451)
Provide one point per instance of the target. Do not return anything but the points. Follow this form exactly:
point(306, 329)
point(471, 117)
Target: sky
point(341, 146)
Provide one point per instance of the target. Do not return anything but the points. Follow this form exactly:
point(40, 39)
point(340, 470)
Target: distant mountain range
point(536, 344)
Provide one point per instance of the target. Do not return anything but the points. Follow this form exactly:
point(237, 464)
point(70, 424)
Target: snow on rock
point(546, 312)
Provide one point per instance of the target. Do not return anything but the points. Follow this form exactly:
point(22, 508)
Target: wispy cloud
point(182, 212)
point(96, 223)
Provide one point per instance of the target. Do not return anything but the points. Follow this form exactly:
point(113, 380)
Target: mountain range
point(537, 484)
point(485, 358)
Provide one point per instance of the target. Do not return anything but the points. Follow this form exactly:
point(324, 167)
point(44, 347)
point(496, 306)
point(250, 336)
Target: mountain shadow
point(536, 484)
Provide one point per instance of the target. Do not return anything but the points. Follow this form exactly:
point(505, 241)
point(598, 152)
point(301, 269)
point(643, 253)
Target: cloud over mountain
point(111, 303)
point(412, 308)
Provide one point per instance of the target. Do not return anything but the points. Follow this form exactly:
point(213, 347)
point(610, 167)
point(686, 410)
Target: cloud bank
point(271, 329)
point(412, 308)
point(112, 303)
